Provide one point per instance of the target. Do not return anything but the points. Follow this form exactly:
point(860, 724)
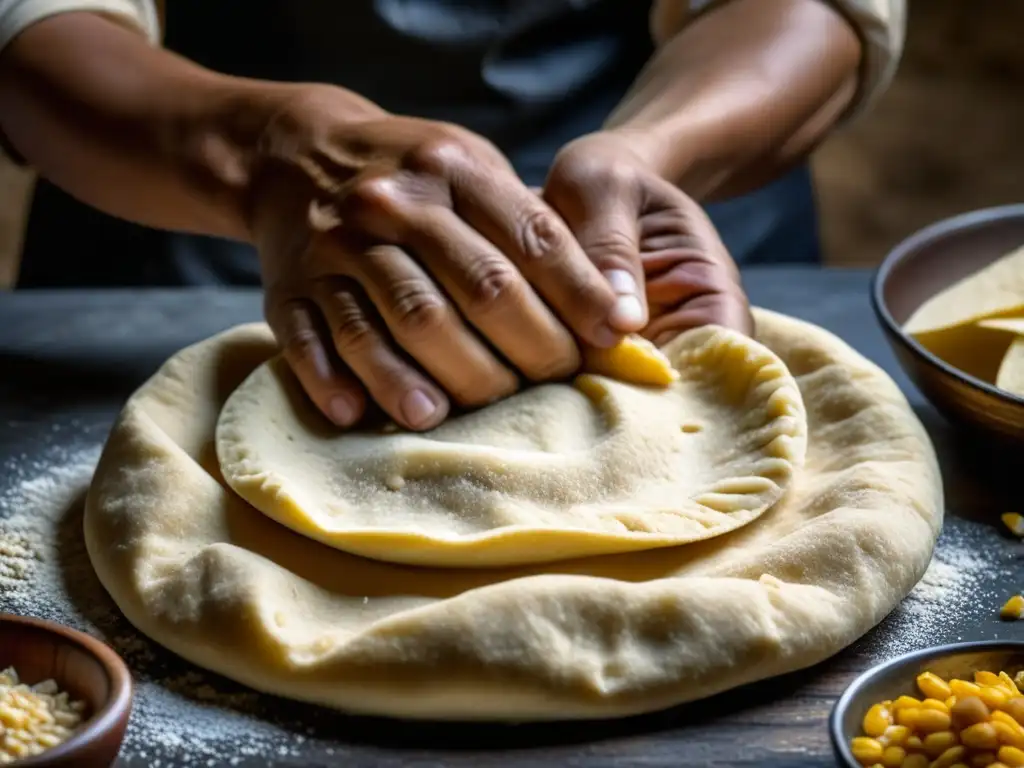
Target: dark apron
point(528, 74)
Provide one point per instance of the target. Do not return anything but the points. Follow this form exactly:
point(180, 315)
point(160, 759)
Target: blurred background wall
point(946, 138)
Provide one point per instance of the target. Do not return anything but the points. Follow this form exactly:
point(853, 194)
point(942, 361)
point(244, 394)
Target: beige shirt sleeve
point(17, 15)
point(881, 25)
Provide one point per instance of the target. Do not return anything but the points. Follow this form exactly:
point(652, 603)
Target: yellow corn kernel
point(1011, 756)
point(963, 688)
point(1015, 709)
point(892, 757)
point(895, 735)
point(907, 716)
point(937, 743)
point(877, 719)
point(984, 677)
point(998, 765)
point(1012, 609)
point(939, 706)
point(914, 743)
point(906, 701)
point(948, 758)
point(933, 686)
point(951, 702)
point(915, 761)
point(994, 698)
point(931, 720)
point(1009, 684)
point(983, 759)
point(867, 751)
point(1014, 522)
point(980, 736)
point(1008, 735)
point(968, 711)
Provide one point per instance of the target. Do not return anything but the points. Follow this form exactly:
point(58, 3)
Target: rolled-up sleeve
point(880, 24)
point(18, 15)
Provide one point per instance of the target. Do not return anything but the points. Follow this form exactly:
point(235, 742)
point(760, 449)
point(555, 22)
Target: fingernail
point(621, 282)
point(343, 410)
point(417, 408)
point(627, 313)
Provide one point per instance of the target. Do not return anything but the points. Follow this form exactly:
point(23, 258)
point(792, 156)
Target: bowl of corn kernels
point(953, 706)
point(65, 697)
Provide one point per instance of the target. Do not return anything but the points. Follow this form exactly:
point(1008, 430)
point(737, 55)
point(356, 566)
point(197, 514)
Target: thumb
point(608, 231)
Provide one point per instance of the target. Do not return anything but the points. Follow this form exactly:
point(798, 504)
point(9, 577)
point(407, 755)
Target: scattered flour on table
point(953, 586)
point(45, 572)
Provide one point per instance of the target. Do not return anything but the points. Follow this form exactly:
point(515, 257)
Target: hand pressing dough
point(200, 571)
point(554, 472)
point(947, 324)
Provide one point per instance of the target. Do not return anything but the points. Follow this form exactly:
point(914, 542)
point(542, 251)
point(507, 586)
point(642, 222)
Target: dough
point(947, 324)
point(1010, 376)
point(551, 473)
point(206, 575)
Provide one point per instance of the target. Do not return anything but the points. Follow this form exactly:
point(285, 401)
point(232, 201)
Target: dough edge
point(438, 661)
point(767, 379)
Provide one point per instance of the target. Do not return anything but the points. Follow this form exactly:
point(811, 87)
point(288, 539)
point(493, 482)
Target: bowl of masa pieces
point(951, 706)
point(65, 697)
point(950, 299)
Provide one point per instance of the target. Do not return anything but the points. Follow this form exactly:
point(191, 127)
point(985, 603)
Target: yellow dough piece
point(634, 360)
point(553, 472)
point(214, 580)
point(947, 324)
point(1010, 376)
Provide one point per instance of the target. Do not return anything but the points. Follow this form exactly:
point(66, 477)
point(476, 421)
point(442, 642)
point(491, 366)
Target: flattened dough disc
point(551, 473)
point(217, 582)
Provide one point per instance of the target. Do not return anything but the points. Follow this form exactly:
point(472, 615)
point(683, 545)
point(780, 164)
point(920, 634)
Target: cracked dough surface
point(202, 572)
point(554, 472)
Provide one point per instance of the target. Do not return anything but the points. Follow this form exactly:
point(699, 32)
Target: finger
point(728, 308)
point(493, 295)
point(429, 329)
point(536, 240)
point(607, 228)
point(402, 391)
point(330, 385)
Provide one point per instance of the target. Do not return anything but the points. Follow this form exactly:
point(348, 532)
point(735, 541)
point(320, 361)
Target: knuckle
point(494, 283)
point(375, 193)
point(612, 245)
point(419, 310)
point(440, 154)
point(540, 236)
point(352, 331)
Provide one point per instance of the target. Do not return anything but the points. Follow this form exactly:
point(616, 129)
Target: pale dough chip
point(554, 472)
point(947, 324)
point(1010, 376)
point(200, 571)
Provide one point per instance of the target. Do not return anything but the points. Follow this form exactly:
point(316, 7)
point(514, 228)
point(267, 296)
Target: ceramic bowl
point(892, 679)
point(84, 667)
point(925, 264)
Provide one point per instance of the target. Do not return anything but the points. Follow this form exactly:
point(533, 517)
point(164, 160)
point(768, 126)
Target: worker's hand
point(404, 260)
point(623, 212)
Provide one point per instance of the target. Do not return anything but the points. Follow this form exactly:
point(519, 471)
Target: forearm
point(742, 94)
point(134, 130)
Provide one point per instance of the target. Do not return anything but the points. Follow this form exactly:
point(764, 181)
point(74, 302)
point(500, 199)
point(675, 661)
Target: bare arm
point(134, 130)
point(742, 93)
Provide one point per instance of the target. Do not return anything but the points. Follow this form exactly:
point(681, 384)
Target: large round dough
point(552, 473)
point(202, 572)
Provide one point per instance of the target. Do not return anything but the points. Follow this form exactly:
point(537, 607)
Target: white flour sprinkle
point(45, 572)
point(950, 591)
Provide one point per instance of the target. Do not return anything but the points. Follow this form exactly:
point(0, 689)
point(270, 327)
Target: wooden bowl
point(918, 268)
point(84, 667)
point(894, 678)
